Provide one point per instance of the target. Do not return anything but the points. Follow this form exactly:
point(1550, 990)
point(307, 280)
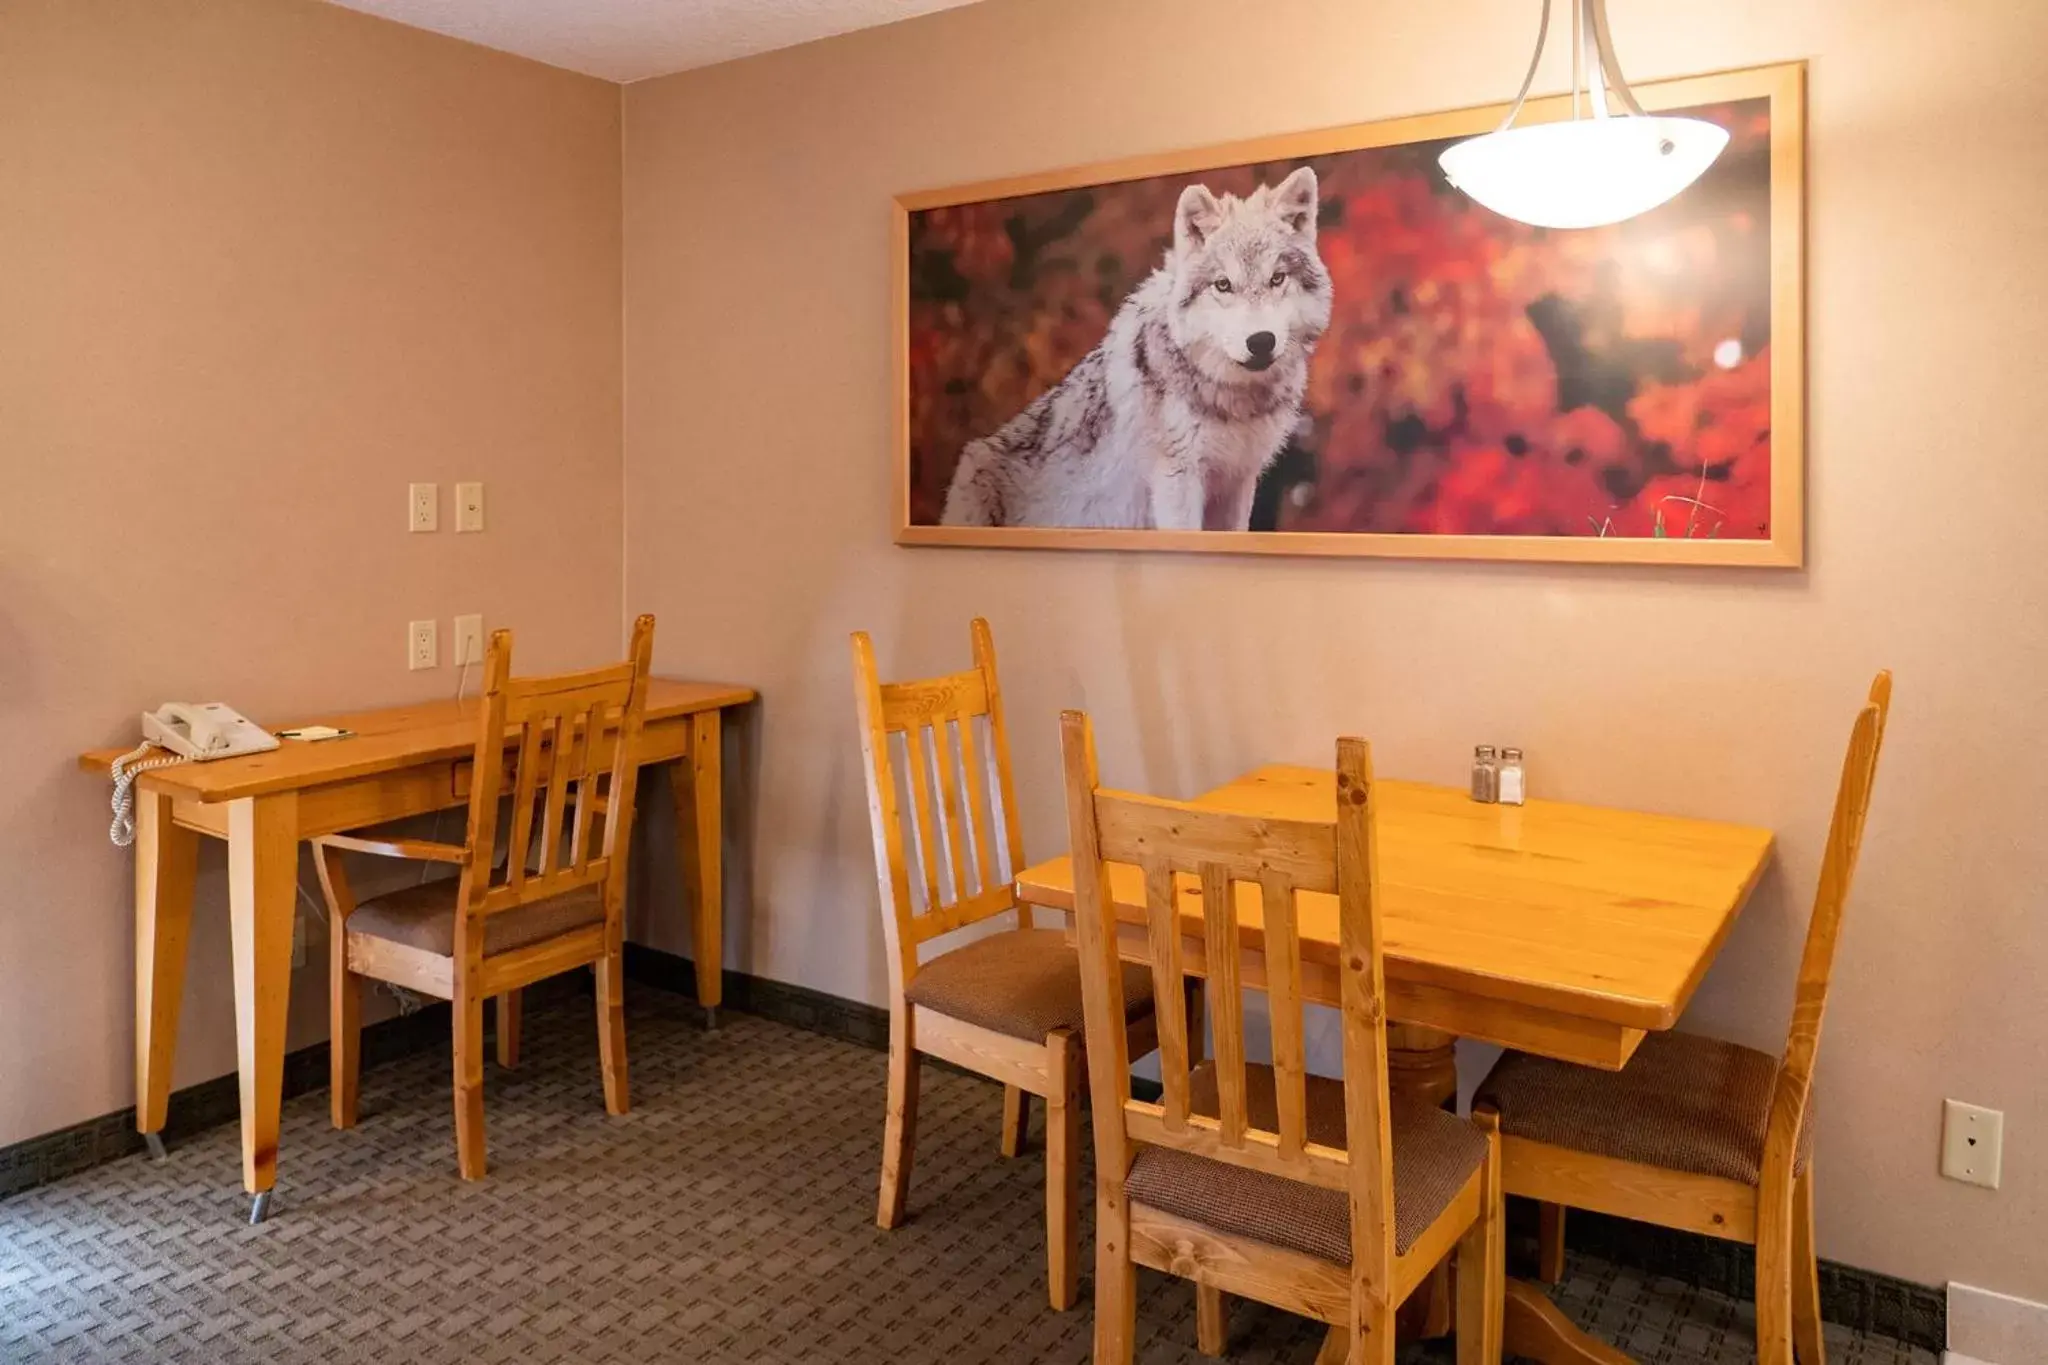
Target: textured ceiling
point(629, 40)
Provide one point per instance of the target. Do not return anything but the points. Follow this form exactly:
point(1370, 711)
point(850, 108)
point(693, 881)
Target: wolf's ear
point(1295, 202)
point(1197, 217)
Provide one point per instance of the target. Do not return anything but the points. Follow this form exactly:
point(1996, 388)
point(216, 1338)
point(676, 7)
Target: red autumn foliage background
point(1479, 377)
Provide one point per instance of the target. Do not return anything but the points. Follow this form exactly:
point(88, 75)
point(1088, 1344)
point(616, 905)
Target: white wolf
point(1191, 394)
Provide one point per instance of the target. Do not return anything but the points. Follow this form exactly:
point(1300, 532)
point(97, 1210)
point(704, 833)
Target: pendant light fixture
point(1595, 168)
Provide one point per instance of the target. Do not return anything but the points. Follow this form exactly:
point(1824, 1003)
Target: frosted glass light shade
point(1583, 172)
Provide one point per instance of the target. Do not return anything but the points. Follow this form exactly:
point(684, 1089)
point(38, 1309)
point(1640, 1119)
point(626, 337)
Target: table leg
point(1535, 1329)
point(1422, 1065)
point(263, 874)
point(166, 868)
point(696, 782)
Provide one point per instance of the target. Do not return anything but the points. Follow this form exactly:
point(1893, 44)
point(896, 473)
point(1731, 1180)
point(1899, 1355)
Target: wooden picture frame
point(1779, 542)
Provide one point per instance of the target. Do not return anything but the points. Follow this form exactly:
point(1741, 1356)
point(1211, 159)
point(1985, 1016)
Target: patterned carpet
point(729, 1218)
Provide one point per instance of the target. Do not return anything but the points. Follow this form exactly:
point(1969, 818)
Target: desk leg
point(1422, 1065)
point(263, 875)
point(166, 866)
point(696, 782)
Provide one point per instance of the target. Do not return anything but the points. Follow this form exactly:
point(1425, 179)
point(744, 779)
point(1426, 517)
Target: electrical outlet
point(423, 507)
point(469, 640)
point(1972, 1143)
point(422, 645)
point(469, 507)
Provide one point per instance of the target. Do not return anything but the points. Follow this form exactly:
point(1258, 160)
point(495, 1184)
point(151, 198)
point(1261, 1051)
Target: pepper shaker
point(1485, 775)
point(1512, 786)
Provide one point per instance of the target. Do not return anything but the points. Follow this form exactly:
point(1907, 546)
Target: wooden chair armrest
point(422, 850)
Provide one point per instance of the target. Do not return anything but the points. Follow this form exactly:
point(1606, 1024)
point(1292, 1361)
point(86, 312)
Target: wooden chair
point(1699, 1134)
point(1008, 1005)
point(1326, 1198)
point(559, 904)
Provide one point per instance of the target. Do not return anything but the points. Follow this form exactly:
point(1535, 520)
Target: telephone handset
point(207, 731)
point(186, 733)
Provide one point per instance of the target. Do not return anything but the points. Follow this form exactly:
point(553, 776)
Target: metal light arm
point(1595, 69)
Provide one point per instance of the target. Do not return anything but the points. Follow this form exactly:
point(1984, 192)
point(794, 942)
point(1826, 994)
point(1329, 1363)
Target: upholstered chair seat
point(1683, 1103)
point(1022, 983)
point(423, 917)
point(1435, 1154)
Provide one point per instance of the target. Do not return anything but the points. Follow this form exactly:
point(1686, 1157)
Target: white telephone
point(207, 731)
point(187, 733)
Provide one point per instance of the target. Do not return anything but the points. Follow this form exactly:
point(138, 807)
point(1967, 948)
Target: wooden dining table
point(1564, 930)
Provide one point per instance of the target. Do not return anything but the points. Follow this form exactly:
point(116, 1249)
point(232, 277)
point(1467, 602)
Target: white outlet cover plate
point(1972, 1143)
point(469, 507)
point(423, 507)
point(469, 639)
point(422, 645)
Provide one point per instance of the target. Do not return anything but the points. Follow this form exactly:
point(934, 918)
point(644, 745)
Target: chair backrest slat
point(1823, 932)
point(570, 733)
point(1283, 991)
point(1169, 990)
point(1220, 954)
point(975, 797)
point(1245, 866)
point(526, 777)
point(937, 856)
point(953, 831)
point(919, 761)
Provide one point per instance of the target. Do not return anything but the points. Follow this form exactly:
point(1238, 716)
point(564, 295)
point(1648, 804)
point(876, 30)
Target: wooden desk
point(407, 760)
point(1563, 930)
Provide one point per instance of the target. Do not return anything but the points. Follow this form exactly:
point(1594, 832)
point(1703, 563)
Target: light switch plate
point(469, 640)
point(423, 507)
point(469, 508)
point(422, 645)
point(1972, 1143)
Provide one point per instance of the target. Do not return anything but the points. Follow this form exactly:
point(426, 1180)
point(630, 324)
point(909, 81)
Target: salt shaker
point(1512, 786)
point(1485, 775)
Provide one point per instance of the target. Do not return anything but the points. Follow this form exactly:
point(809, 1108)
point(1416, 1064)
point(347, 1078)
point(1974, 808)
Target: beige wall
point(263, 263)
point(758, 525)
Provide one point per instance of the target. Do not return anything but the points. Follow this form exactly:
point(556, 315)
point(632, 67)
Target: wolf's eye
point(1279, 278)
point(1222, 286)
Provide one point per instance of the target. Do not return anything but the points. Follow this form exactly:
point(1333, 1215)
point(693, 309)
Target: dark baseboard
point(1864, 1300)
point(197, 1108)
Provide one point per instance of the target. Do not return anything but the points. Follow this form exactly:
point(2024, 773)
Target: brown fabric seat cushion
point(1023, 983)
point(1435, 1153)
point(423, 917)
point(1683, 1103)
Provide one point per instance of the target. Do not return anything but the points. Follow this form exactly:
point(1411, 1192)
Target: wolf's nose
point(1260, 344)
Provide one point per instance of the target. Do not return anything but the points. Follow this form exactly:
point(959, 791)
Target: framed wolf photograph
point(1315, 344)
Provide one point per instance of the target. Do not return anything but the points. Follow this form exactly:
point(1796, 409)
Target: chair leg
point(1212, 1322)
point(345, 1027)
point(1116, 1279)
point(509, 1012)
point(1062, 1168)
point(1774, 1271)
point(1482, 1261)
point(1550, 1243)
point(1807, 1341)
point(469, 1085)
point(1371, 1342)
point(611, 1032)
point(899, 1133)
point(1016, 1119)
